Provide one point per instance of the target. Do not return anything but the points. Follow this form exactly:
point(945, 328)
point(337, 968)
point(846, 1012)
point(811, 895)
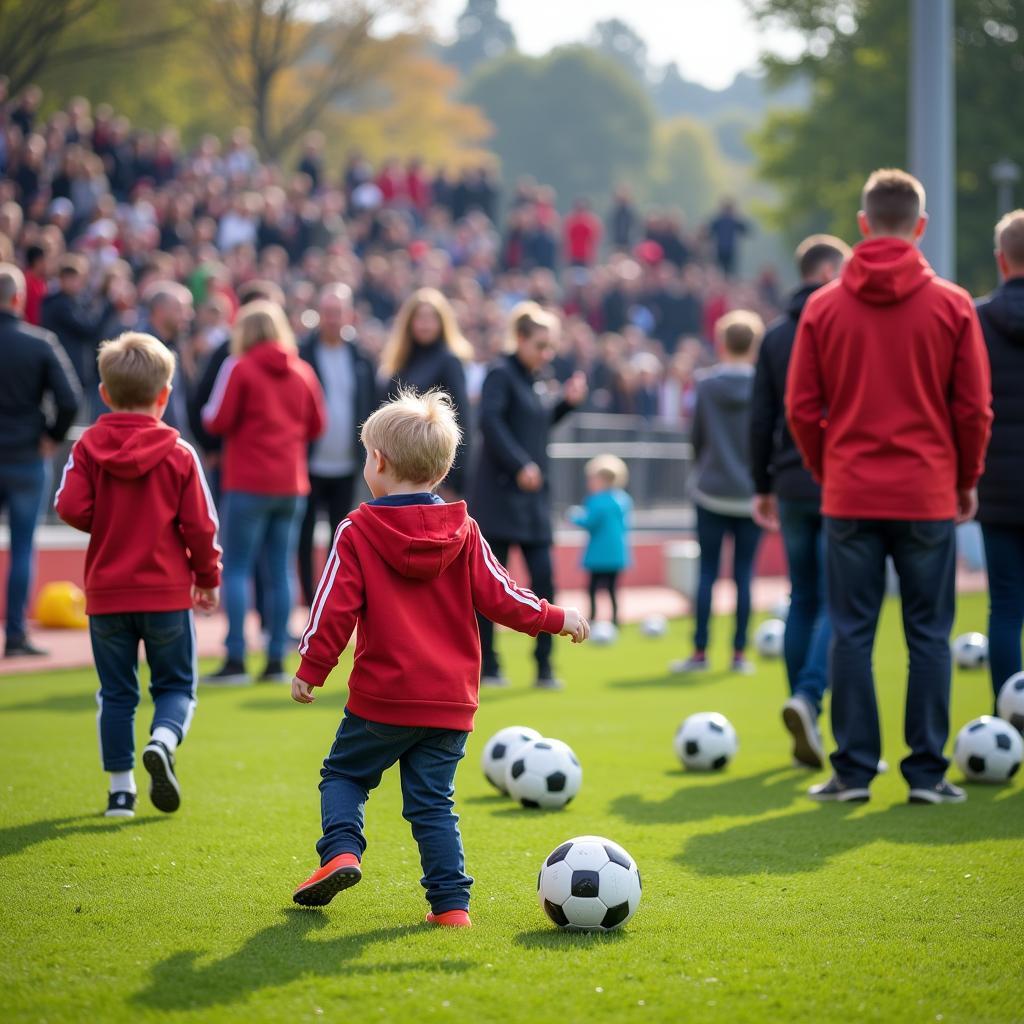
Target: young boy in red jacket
point(412, 571)
point(137, 488)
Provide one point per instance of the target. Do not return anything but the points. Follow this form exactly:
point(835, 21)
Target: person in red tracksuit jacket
point(137, 488)
point(889, 400)
point(411, 571)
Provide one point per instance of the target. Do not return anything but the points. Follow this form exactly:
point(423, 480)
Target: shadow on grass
point(20, 837)
point(563, 939)
point(274, 957)
point(58, 703)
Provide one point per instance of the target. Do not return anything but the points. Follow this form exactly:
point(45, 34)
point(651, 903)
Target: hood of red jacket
point(127, 444)
point(272, 357)
point(419, 541)
point(883, 271)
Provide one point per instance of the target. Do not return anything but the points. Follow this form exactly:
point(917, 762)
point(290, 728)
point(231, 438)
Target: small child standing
point(605, 515)
point(137, 488)
point(411, 571)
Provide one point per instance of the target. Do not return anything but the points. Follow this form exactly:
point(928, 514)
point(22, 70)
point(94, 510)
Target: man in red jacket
point(889, 400)
point(412, 571)
point(137, 488)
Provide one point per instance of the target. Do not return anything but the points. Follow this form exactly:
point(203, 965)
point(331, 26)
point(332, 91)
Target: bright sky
point(711, 40)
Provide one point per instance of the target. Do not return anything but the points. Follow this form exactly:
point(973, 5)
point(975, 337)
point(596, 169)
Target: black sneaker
point(231, 673)
point(274, 672)
point(163, 784)
point(942, 792)
point(23, 648)
point(799, 718)
point(120, 805)
point(835, 790)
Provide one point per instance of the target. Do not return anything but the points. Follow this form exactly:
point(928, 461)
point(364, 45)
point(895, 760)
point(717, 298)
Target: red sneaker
point(325, 883)
point(451, 919)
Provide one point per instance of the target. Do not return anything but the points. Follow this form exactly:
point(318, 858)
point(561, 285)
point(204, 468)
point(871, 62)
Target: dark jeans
point(333, 495)
point(1004, 554)
point(538, 565)
point(22, 486)
point(604, 581)
point(924, 555)
point(808, 630)
point(170, 641)
point(712, 529)
point(427, 759)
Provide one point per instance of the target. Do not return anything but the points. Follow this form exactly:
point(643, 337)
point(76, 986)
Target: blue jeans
point(1004, 552)
point(22, 486)
point(808, 630)
point(427, 759)
point(712, 528)
point(170, 639)
point(924, 554)
point(256, 527)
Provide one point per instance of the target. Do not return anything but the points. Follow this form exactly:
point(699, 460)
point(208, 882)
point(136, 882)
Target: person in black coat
point(1001, 488)
point(788, 498)
point(427, 351)
point(510, 497)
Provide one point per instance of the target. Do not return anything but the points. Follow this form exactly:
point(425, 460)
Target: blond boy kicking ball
point(412, 571)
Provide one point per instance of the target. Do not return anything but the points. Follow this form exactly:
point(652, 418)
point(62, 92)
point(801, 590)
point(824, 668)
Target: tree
point(481, 35)
point(687, 170)
point(623, 44)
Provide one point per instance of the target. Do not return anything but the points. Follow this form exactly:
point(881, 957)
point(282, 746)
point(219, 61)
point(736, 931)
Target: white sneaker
point(799, 718)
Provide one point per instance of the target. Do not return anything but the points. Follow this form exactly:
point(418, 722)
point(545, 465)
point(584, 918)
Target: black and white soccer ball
point(654, 626)
point(499, 750)
point(603, 633)
point(770, 637)
point(988, 750)
point(544, 773)
point(780, 610)
point(589, 884)
point(1010, 704)
point(970, 650)
point(706, 742)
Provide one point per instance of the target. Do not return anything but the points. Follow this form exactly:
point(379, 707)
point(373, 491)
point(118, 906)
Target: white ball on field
point(603, 633)
point(970, 650)
point(706, 742)
point(499, 750)
point(770, 637)
point(543, 773)
point(1010, 704)
point(654, 625)
point(780, 610)
point(589, 884)
point(988, 750)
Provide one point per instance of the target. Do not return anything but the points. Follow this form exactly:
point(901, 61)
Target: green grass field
point(758, 904)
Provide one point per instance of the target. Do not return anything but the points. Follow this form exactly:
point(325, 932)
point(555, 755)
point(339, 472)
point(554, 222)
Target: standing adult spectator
point(889, 400)
point(347, 379)
point(1001, 489)
point(39, 396)
point(725, 231)
point(511, 496)
point(36, 284)
point(168, 312)
point(788, 498)
point(622, 220)
point(70, 314)
point(582, 231)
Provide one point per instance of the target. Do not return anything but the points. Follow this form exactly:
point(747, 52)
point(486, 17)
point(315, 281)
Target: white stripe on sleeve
point(522, 596)
point(220, 386)
point(68, 466)
point(211, 509)
point(324, 589)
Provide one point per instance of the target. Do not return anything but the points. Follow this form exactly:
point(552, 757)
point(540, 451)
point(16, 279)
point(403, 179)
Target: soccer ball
point(654, 625)
point(543, 773)
point(706, 742)
point(988, 750)
point(603, 633)
point(589, 884)
point(971, 650)
point(499, 750)
point(770, 637)
point(1011, 701)
point(781, 609)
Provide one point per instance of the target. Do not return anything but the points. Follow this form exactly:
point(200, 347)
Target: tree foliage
point(624, 45)
point(481, 35)
point(687, 170)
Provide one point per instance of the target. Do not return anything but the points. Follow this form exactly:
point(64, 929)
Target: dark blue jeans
point(1004, 554)
point(712, 529)
point(427, 759)
point(808, 630)
point(170, 640)
point(22, 486)
point(924, 554)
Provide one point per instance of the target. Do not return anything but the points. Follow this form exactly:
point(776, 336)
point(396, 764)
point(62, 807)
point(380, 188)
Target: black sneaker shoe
point(23, 648)
point(120, 805)
point(274, 672)
point(799, 718)
point(231, 673)
point(835, 790)
point(941, 793)
point(163, 784)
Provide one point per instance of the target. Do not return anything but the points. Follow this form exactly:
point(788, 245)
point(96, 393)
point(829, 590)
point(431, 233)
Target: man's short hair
point(739, 331)
point(817, 251)
point(159, 292)
point(12, 284)
point(417, 434)
point(1010, 238)
point(73, 265)
point(135, 368)
point(892, 200)
point(256, 289)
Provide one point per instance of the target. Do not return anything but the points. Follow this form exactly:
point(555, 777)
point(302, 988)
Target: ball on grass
point(1010, 704)
point(970, 650)
point(988, 750)
point(544, 773)
point(499, 750)
point(770, 637)
point(706, 742)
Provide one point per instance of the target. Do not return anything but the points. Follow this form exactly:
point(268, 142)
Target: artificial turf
point(758, 905)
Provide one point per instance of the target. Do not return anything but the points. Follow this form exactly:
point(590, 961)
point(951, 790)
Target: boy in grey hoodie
point(723, 488)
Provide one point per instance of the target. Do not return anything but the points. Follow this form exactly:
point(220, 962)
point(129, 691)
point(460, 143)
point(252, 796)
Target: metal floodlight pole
point(1005, 173)
point(932, 128)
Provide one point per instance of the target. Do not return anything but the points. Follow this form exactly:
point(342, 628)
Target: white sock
point(122, 782)
point(168, 737)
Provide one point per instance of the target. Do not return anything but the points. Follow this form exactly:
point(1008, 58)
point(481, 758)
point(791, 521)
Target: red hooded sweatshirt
point(412, 577)
point(137, 487)
point(889, 395)
point(268, 406)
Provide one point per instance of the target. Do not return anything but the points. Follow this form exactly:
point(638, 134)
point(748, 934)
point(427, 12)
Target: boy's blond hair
point(739, 332)
point(609, 468)
point(417, 434)
point(135, 368)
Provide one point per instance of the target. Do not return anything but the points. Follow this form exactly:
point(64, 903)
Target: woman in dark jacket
point(511, 499)
point(427, 350)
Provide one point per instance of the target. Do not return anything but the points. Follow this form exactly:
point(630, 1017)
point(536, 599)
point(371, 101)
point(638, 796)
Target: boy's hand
point(967, 505)
point(206, 599)
point(302, 692)
point(766, 511)
point(575, 626)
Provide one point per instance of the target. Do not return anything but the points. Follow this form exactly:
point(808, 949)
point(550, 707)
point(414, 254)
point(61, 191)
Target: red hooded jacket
point(268, 406)
point(889, 395)
point(412, 577)
point(137, 487)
